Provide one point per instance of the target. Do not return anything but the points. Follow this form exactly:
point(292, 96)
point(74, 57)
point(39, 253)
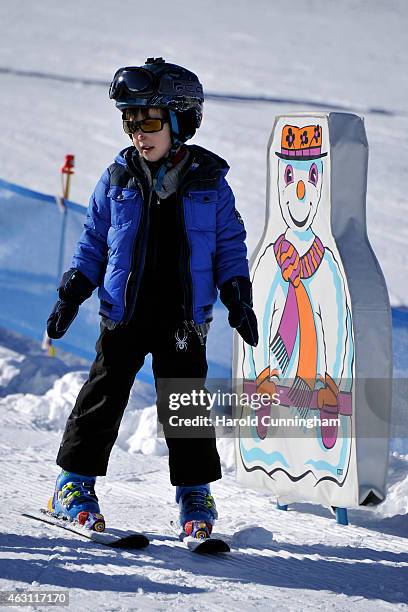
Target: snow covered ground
point(350, 55)
point(293, 560)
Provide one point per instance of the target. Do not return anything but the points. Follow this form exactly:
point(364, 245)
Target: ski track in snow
point(274, 553)
point(222, 97)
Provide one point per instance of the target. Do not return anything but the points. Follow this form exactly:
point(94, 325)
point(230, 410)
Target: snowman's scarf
point(297, 310)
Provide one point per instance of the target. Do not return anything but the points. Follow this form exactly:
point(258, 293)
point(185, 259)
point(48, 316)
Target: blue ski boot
point(74, 499)
point(197, 510)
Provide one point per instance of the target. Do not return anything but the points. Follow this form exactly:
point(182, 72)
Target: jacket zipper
point(187, 279)
point(186, 276)
point(129, 311)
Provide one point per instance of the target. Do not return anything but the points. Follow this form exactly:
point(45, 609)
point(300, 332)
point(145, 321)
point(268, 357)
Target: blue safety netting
point(37, 238)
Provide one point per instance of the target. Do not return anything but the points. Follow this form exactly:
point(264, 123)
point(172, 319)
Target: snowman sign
point(316, 427)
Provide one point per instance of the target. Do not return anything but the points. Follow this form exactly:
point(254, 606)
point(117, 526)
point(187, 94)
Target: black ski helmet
point(162, 85)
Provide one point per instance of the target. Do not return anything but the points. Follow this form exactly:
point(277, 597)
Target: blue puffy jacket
point(112, 247)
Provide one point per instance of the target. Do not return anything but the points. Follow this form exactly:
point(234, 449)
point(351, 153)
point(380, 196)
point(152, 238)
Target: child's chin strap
point(168, 163)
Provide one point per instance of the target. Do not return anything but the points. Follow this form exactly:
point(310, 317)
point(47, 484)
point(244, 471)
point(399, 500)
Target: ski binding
point(198, 538)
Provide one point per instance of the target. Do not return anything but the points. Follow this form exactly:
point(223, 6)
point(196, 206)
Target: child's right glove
point(74, 289)
point(236, 295)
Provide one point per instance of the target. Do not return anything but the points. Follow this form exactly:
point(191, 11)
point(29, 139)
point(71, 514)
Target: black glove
point(236, 294)
point(74, 289)
point(61, 318)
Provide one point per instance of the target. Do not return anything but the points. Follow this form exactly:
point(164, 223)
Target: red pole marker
point(67, 169)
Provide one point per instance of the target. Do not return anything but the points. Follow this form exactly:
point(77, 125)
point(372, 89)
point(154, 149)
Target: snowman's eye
point(288, 175)
point(313, 174)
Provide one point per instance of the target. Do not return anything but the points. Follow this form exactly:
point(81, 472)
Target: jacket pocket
point(202, 210)
point(123, 205)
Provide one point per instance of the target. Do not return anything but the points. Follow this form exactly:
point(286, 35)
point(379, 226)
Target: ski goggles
point(139, 82)
point(147, 126)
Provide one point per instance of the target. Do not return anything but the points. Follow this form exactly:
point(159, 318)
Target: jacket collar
point(203, 165)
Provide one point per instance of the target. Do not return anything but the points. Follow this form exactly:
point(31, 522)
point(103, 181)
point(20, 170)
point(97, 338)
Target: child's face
point(154, 145)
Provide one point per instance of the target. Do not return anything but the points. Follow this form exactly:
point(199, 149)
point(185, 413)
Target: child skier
point(161, 234)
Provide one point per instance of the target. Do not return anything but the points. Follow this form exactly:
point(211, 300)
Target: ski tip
point(209, 546)
point(125, 540)
point(133, 541)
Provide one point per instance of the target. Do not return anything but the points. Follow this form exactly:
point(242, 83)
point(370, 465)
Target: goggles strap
point(174, 128)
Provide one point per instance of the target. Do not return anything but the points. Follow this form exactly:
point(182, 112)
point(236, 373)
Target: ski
point(113, 538)
point(200, 546)
point(206, 545)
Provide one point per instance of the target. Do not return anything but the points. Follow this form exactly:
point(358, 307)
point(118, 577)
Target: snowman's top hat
point(301, 143)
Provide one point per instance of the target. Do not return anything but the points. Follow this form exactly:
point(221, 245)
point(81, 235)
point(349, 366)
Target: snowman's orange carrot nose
point(300, 190)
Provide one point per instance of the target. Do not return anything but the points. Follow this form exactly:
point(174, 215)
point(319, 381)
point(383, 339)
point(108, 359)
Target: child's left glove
point(74, 289)
point(236, 295)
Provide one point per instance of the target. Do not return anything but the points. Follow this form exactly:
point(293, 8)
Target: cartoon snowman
point(305, 350)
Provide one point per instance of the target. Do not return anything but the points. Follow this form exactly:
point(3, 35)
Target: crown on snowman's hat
point(302, 143)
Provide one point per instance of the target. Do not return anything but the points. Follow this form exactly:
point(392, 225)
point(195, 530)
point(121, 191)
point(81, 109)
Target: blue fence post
point(341, 516)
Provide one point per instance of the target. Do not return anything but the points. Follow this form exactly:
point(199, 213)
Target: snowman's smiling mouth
point(299, 223)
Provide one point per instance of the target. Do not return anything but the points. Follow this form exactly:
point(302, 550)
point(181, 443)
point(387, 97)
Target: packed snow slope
point(292, 560)
point(56, 60)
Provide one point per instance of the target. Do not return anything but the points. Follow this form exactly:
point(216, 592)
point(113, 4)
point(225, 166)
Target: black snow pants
point(93, 425)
